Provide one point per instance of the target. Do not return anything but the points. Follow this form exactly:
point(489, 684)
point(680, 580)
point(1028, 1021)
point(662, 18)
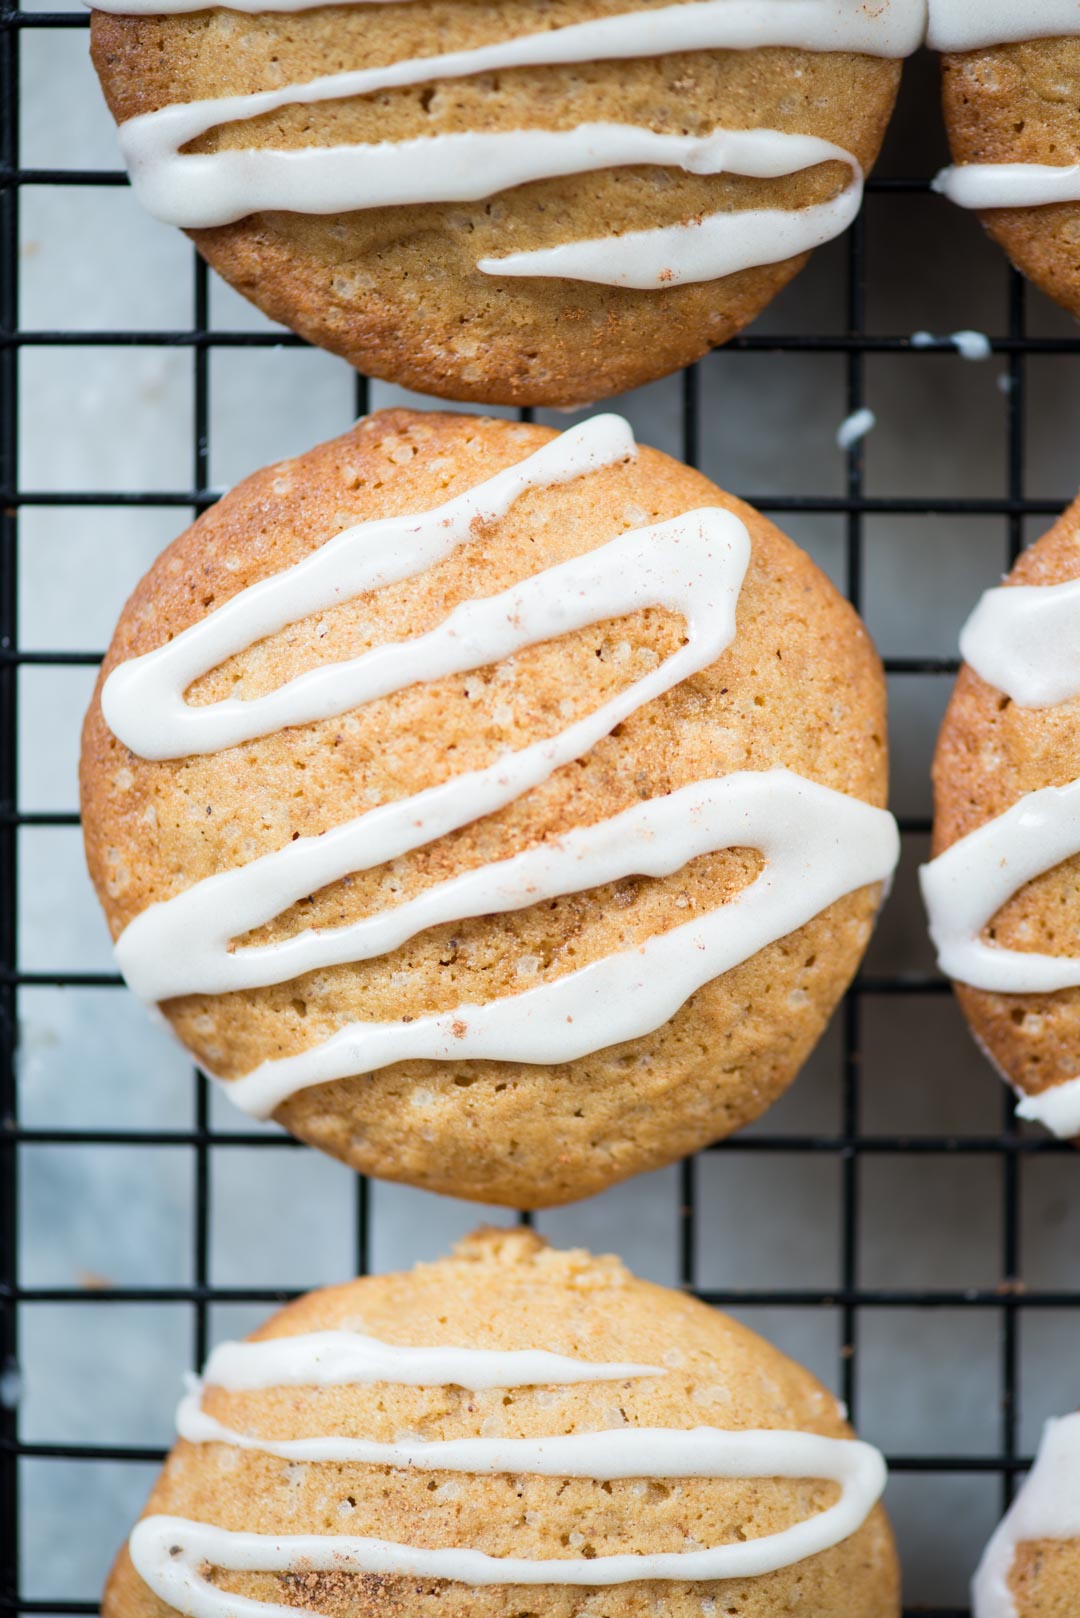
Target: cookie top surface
point(798, 688)
point(993, 752)
point(655, 1360)
point(395, 284)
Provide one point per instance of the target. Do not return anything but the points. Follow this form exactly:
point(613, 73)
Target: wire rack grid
point(1001, 1307)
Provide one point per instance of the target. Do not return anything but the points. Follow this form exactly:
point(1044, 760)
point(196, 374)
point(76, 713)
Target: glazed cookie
point(509, 1430)
point(1002, 892)
point(518, 201)
point(427, 783)
point(1011, 78)
point(1031, 1568)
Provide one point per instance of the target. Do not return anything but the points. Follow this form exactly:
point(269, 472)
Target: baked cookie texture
point(800, 686)
point(507, 1290)
point(1020, 103)
point(396, 290)
point(1045, 1580)
point(991, 752)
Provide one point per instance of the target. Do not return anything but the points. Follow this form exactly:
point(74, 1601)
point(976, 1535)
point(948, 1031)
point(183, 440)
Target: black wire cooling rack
point(1002, 1305)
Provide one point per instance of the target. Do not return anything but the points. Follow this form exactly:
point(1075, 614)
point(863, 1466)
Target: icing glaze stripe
point(966, 25)
point(1057, 1109)
point(347, 1359)
point(170, 1553)
point(183, 946)
point(818, 846)
point(968, 884)
point(891, 28)
point(1025, 641)
point(628, 1452)
point(719, 244)
point(173, 1555)
point(1047, 1507)
point(143, 699)
point(1009, 185)
point(204, 190)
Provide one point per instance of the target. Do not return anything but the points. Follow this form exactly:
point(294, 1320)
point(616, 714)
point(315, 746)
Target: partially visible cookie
point(399, 266)
point(1031, 1568)
point(1013, 116)
point(511, 1430)
point(427, 784)
point(1005, 899)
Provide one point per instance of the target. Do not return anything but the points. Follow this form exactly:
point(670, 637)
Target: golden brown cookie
point(507, 1292)
point(1020, 103)
point(799, 687)
point(991, 753)
point(396, 289)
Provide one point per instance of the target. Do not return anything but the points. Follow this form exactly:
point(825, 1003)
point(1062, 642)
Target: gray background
point(121, 419)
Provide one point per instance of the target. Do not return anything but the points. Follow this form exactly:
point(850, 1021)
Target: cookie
point(511, 1429)
point(1002, 892)
point(516, 201)
point(1011, 81)
point(448, 858)
point(1031, 1568)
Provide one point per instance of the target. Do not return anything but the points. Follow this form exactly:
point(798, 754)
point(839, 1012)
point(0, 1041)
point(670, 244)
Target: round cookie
point(1031, 1568)
point(666, 656)
point(1017, 103)
point(657, 1360)
point(396, 289)
point(993, 753)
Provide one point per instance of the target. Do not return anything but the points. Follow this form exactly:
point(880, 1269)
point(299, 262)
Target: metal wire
point(850, 1147)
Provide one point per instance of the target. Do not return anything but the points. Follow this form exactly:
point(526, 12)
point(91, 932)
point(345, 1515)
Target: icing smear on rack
point(1047, 1508)
point(818, 844)
point(203, 190)
point(1022, 640)
point(964, 25)
point(172, 1554)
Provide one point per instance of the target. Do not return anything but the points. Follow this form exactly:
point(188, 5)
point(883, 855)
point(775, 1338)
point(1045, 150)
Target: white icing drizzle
point(1057, 1109)
point(887, 28)
point(968, 884)
point(818, 844)
point(342, 1359)
point(1021, 639)
point(173, 1555)
point(182, 946)
point(1009, 185)
point(203, 190)
point(1025, 641)
point(1047, 1507)
point(967, 25)
point(143, 699)
point(626, 1452)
